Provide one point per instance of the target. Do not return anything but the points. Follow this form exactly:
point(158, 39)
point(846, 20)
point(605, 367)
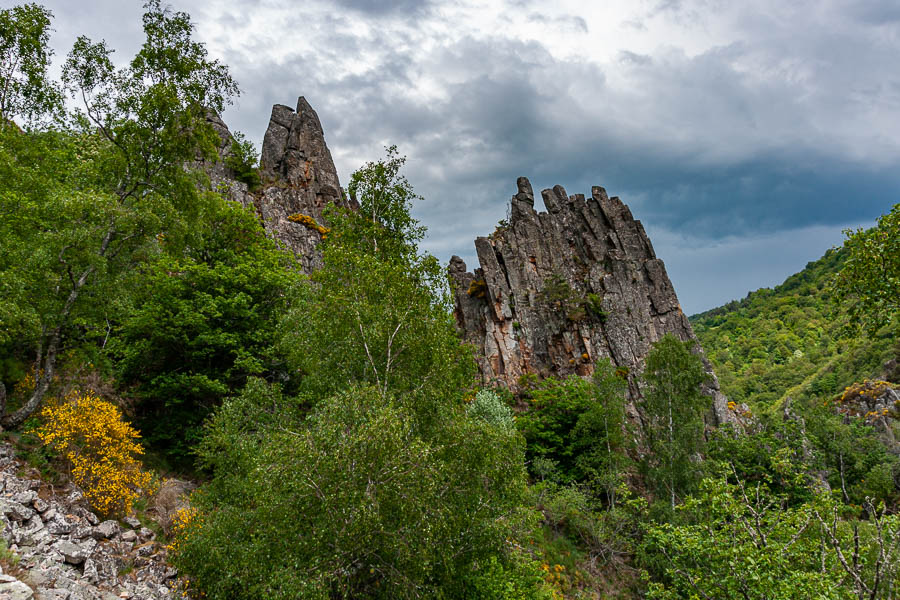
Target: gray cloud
point(786, 124)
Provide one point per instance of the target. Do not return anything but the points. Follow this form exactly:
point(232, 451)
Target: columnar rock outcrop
point(557, 291)
point(299, 180)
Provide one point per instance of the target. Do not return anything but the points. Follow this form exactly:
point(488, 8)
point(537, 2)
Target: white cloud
point(733, 122)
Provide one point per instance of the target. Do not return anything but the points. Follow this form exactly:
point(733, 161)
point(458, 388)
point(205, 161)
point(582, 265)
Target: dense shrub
point(199, 325)
point(100, 449)
point(352, 502)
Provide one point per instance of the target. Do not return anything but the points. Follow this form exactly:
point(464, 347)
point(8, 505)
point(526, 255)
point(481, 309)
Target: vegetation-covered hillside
point(793, 340)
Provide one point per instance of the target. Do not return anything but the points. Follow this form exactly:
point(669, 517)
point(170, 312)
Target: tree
point(379, 311)
point(601, 434)
point(198, 324)
point(25, 88)
point(869, 282)
point(401, 490)
point(351, 502)
point(674, 407)
point(740, 542)
point(555, 407)
point(88, 202)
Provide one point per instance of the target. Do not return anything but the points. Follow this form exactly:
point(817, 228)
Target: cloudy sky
point(745, 135)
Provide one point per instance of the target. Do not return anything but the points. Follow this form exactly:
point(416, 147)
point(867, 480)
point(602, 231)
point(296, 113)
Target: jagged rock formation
point(299, 180)
point(66, 552)
point(556, 291)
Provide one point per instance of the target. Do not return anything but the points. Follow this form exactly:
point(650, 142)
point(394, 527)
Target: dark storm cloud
point(701, 147)
point(789, 126)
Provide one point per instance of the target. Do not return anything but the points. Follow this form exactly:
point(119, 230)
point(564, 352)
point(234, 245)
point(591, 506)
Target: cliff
point(557, 291)
point(299, 180)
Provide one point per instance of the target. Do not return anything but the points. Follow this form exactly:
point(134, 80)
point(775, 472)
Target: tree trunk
point(46, 368)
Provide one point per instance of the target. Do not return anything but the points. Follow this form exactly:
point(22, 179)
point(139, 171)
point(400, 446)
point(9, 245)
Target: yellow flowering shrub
point(867, 389)
point(100, 449)
point(183, 521)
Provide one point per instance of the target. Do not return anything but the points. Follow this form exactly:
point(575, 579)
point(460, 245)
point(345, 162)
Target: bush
point(100, 449)
point(351, 502)
point(488, 407)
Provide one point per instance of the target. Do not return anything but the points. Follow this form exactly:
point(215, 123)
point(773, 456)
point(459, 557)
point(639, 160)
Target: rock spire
point(299, 180)
point(558, 290)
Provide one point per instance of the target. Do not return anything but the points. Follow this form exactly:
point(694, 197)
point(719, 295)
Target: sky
point(746, 136)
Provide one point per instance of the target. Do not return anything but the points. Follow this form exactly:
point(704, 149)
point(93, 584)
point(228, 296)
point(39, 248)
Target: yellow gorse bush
point(101, 450)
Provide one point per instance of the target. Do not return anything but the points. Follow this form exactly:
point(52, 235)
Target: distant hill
point(790, 341)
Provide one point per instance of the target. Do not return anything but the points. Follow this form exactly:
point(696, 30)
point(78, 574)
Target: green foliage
point(243, 161)
point(495, 581)
point(488, 407)
point(379, 312)
point(601, 438)
point(559, 295)
point(869, 282)
point(578, 427)
point(736, 539)
point(401, 490)
point(25, 88)
point(790, 341)
point(554, 407)
point(758, 454)
point(384, 512)
point(197, 325)
point(740, 543)
point(674, 407)
point(81, 206)
point(594, 305)
point(856, 462)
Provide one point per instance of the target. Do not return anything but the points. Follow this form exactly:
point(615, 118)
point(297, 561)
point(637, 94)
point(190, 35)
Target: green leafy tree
point(579, 426)
point(740, 542)
point(402, 490)
point(243, 160)
point(25, 87)
point(353, 502)
point(379, 312)
point(198, 324)
point(554, 408)
point(601, 436)
point(87, 203)
point(674, 407)
point(869, 282)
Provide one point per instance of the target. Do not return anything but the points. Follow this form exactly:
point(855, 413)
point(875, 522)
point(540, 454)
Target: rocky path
point(65, 552)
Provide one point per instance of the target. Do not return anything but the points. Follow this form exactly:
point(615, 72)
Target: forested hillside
point(794, 340)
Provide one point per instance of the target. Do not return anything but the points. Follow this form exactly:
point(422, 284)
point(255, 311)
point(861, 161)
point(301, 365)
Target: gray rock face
point(557, 291)
point(12, 589)
point(299, 180)
point(63, 549)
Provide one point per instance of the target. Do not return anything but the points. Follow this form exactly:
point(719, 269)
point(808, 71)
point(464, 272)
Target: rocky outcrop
point(63, 551)
point(558, 290)
point(875, 403)
point(299, 180)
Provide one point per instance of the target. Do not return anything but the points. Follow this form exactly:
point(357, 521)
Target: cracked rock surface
point(556, 291)
point(65, 552)
point(298, 178)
